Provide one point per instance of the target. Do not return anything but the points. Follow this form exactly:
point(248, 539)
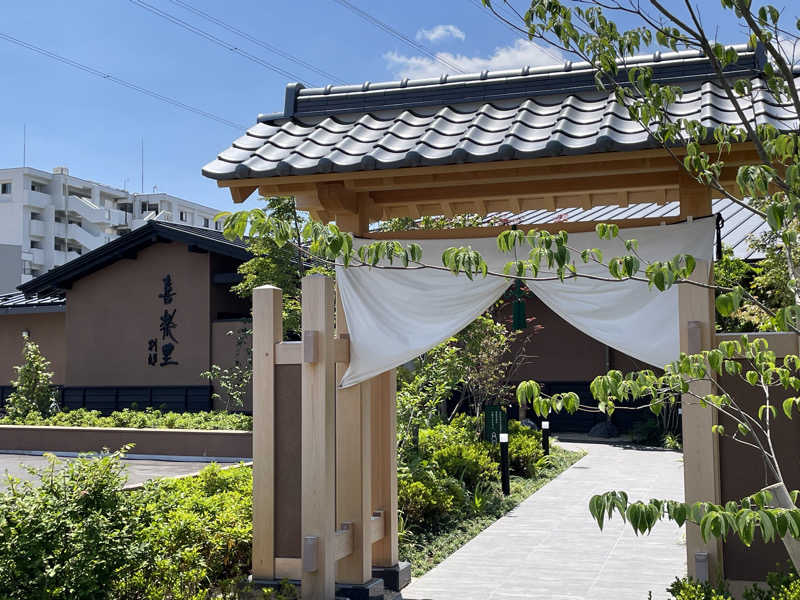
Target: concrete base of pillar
point(361, 591)
point(394, 578)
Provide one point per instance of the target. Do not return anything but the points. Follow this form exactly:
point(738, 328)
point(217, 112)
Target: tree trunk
point(782, 499)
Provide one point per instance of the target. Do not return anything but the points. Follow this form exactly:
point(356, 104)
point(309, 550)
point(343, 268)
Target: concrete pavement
point(550, 547)
point(138, 470)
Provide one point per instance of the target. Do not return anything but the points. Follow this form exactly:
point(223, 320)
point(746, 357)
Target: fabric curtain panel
point(394, 315)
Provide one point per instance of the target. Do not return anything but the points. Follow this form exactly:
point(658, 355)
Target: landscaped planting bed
point(138, 419)
point(449, 486)
point(75, 534)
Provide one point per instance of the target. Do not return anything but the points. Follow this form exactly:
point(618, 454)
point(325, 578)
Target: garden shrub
point(74, 534)
point(456, 448)
point(781, 585)
point(427, 495)
point(197, 530)
point(33, 387)
point(70, 535)
point(690, 589)
point(525, 451)
point(138, 419)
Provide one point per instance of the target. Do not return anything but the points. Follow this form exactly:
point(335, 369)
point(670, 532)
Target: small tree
point(33, 388)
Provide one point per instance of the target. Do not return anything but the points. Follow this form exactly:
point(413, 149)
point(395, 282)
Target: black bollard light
point(504, 464)
point(546, 437)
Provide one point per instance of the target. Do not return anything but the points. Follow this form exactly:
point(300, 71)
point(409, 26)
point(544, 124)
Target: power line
point(267, 46)
point(215, 40)
point(502, 21)
point(122, 82)
point(393, 32)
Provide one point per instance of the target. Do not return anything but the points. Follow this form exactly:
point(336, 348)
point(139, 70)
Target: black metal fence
point(106, 399)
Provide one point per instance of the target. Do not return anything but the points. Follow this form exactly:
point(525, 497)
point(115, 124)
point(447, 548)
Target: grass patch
point(425, 550)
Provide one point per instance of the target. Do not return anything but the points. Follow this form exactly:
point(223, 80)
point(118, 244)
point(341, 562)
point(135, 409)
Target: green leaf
point(788, 404)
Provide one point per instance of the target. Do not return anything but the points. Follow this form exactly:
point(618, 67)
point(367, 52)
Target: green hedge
point(74, 534)
point(453, 474)
point(139, 419)
point(784, 585)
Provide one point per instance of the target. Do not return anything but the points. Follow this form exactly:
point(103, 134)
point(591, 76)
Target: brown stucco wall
point(46, 329)
point(560, 352)
point(742, 472)
point(112, 313)
point(224, 353)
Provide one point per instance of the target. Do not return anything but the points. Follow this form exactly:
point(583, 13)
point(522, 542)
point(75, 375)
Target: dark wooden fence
point(106, 399)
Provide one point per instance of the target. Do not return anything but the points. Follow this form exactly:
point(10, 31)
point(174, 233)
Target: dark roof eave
point(31, 310)
point(62, 277)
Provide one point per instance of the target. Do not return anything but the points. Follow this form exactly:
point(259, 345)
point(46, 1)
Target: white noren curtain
point(395, 315)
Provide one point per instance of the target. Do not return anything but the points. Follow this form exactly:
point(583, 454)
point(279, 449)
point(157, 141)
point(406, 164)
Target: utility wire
point(497, 19)
point(267, 46)
point(122, 82)
point(393, 32)
point(219, 42)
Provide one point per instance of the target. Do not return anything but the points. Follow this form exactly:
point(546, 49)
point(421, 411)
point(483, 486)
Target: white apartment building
point(47, 219)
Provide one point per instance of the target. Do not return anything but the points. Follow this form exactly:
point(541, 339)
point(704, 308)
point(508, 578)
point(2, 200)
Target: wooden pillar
point(700, 446)
point(267, 331)
point(318, 501)
point(353, 469)
point(384, 465)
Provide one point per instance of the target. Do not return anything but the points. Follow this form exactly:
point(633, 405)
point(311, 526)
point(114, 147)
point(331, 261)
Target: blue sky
point(94, 126)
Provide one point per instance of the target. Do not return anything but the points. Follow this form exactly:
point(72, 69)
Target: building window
point(144, 207)
point(35, 272)
point(5, 188)
point(36, 187)
point(35, 216)
point(36, 244)
point(206, 222)
point(182, 215)
point(218, 225)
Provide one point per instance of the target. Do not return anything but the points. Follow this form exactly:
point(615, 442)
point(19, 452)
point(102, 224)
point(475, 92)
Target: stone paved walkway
point(550, 548)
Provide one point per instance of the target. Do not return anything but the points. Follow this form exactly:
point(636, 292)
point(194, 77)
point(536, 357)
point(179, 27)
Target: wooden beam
point(318, 484)
point(288, 568)
point(695, 198)
point(242, 193)
point(384, 465)
point(377, 526)
point(353, 465)
point(289, 353)
point(575, 185)
point(700, 446)
point(477, 232)
point(267, 332)
point(652, 159)
point(343, 539)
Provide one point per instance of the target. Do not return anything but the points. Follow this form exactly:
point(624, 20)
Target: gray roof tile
point(741, 225)
point(516, 113)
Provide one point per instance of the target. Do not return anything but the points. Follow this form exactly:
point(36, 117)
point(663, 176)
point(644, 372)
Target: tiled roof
point(17, 303)
point(59, 278)
point(501, 115)
point(740, 225)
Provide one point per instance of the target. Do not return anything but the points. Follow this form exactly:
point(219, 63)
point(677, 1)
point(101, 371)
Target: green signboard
point(495, 422)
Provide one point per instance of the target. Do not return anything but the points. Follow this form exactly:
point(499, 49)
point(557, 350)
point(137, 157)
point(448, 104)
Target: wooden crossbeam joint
point(294, 353)
point(343, 538)
point(377, 526)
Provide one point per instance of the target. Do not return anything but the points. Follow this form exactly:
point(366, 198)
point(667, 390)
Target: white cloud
point(521, 53)
point(441, 32)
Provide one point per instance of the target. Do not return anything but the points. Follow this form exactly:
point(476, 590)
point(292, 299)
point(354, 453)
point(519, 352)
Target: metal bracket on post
point(310, 553)
point(701, 566)
point(310, 346)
